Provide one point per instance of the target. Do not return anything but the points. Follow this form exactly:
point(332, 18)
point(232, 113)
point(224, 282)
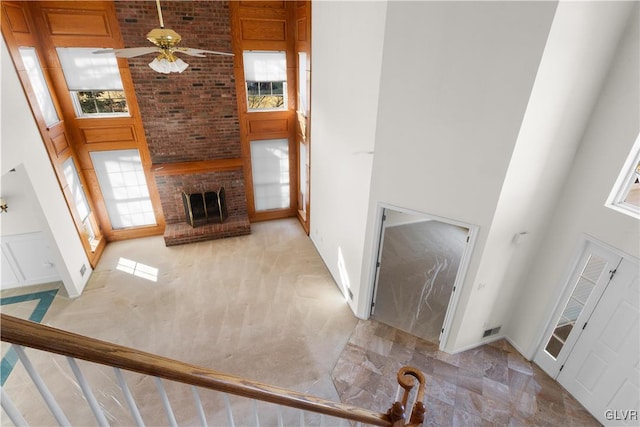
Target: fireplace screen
point(204, 207)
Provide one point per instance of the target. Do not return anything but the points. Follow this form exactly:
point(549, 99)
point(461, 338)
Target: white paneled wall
point(27, 260)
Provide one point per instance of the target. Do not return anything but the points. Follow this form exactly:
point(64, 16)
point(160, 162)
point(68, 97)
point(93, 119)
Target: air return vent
point(490, 332)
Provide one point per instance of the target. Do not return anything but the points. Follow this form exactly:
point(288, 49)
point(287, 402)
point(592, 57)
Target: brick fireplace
point(178, 230)
point(190, 119)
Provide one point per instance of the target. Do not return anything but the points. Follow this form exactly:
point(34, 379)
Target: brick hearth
point(180, 233)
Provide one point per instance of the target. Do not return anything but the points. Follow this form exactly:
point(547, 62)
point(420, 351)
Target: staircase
point(211, 397)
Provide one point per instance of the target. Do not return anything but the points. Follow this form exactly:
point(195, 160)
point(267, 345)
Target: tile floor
point(489, 385)
point(264, 306)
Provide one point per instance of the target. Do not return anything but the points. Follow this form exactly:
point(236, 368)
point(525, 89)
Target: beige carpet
point(262, 306)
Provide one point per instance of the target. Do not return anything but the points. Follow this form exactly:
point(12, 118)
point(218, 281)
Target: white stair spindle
point(165, 402)
point(254, 406)
point(279, 414)
point(227, 405)
point(129, 397)
point(399, 394)
point(322, 420)
point(88, 394)
point(301, 418)
point(14, 414)
point(196, 397)
point(55, 409)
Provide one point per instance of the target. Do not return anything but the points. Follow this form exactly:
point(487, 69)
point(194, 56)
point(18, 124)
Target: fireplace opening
point(205, 206)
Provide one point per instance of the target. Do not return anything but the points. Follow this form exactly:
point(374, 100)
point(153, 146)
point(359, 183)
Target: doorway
point(592, 347)
point(418, 266)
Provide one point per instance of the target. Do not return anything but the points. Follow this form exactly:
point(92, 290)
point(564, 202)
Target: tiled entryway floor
point(489, 385)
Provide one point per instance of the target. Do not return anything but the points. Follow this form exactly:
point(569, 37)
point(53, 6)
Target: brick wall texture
point(193, 115)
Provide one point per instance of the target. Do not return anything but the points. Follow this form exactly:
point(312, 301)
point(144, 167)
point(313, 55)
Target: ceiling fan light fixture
point(164, 66)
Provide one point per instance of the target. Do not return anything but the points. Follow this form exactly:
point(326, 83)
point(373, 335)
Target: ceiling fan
point(166, 43)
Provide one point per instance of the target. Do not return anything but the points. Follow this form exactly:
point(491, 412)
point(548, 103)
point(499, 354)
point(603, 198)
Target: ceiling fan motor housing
point(164, 37)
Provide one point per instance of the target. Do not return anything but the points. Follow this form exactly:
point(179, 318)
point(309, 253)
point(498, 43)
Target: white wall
point(613, 127)
point(20, 217)
point(22, 146)
point(347, 53)
point(456, 80)
point(578, 52)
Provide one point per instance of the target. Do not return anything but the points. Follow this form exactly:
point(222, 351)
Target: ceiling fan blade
point(129, 52)
point(199, 52)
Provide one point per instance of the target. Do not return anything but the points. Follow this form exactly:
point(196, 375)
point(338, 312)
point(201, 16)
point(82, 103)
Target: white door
point(586, 285)
point(602, 371)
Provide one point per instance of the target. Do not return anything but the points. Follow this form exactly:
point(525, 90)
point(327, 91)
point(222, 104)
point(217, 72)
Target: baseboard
point(478, 344)
point(519, 349)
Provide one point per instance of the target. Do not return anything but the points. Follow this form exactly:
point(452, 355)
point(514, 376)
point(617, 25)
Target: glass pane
point(302, 82)
point(302, 174)
point(572, 310)
point(583, 290)
point(594, 268)
point(277, 88)
point(75, 188)
point(252, 88)
point(265, 88)
point(554, 346)
point(124, 188)
point(39, 85)
point(270, 169)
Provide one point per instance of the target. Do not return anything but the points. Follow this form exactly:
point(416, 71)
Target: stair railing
point(23, 333)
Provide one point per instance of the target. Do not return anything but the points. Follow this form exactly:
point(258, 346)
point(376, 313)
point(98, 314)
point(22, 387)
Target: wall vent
point(492, 331)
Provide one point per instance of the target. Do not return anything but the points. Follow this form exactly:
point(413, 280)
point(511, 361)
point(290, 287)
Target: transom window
point(94, 82)
point(625, 196)
point(265, 75)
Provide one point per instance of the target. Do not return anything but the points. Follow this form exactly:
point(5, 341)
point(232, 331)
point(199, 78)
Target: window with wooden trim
point(39, 85)
point(80, 203)
point(93, 81)
point(265, 75)
point(124, 188)
point(270, 169)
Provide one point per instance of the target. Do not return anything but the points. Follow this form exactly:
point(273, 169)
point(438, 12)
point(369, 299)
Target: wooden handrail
point(41, 337)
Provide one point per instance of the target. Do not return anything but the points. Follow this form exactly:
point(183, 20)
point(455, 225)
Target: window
point(39, 85)
point(584, 285)
point(79, 200)
point(124, 188)
point(94, 81)
point(625, 196)
point(101, 101)
point(270, 169)
point(265, 74)
point(303, 180)
point(302, 83)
